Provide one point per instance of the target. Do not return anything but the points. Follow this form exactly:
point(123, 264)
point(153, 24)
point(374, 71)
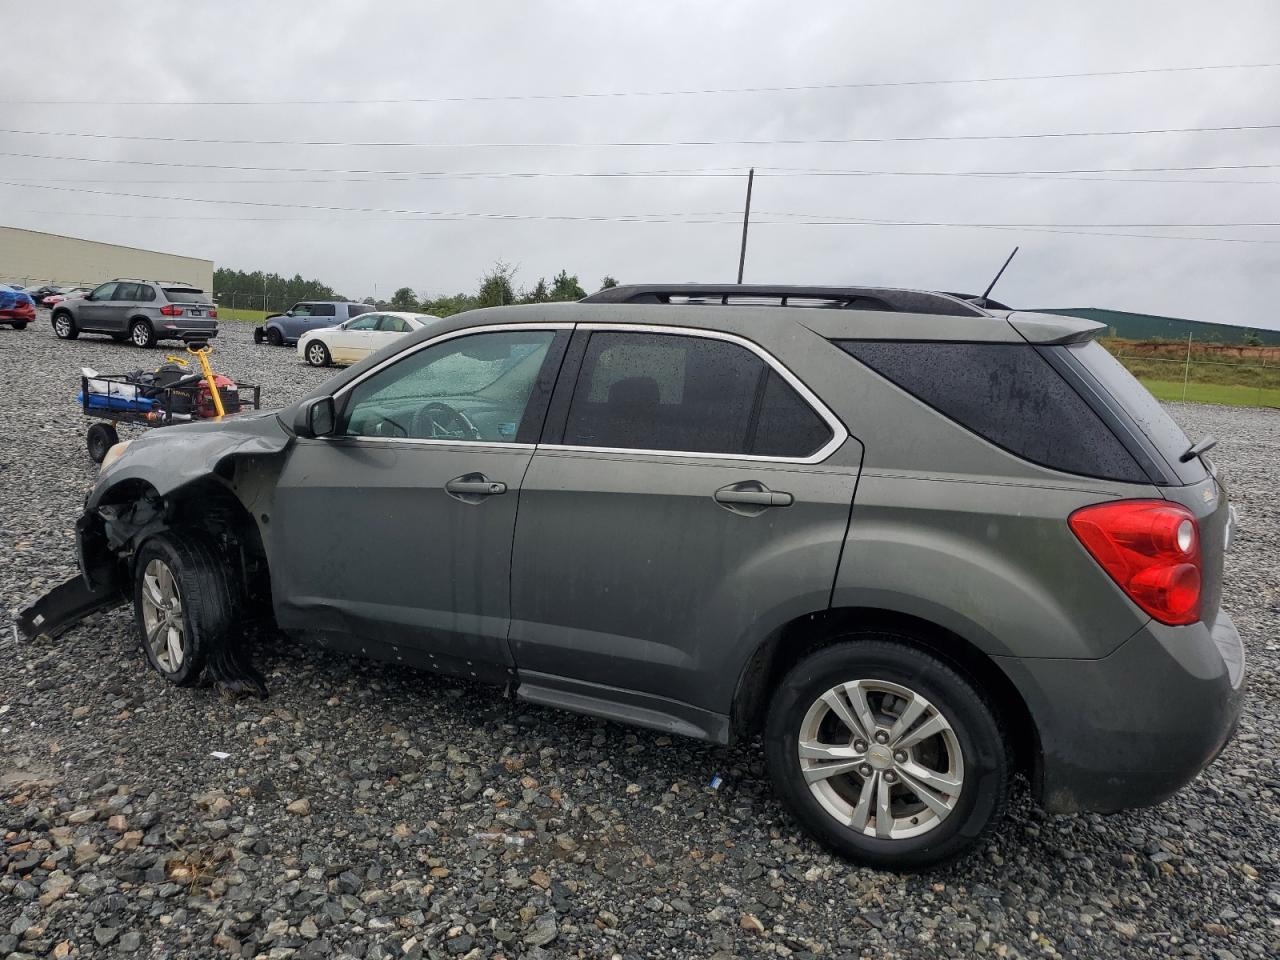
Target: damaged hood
point(171, 457)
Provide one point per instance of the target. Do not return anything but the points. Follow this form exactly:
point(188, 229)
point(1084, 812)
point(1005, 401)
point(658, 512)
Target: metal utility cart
point(114, 398)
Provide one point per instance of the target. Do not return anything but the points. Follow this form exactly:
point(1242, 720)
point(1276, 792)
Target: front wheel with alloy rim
point(184, 603)
point(141, 334)
point(317, 354)
point(64, 326)
point(886, 753)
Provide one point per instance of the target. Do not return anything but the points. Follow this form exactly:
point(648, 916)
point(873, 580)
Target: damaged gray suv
point(918, 542)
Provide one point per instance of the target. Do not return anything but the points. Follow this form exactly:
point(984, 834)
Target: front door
point(394, 535)
point(95, 308)
point(350, 342)
point(698, 497)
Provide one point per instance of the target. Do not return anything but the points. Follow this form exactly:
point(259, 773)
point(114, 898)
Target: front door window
point(474, 389)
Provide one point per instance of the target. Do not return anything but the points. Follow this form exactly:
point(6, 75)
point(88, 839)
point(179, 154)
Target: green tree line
point(274, 293)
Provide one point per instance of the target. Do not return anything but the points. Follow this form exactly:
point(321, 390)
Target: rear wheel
point(318, 354)
point(101, 438)
point(141, 334)
point(64, 326)
point(275, 337)
point(184, 604)
point(20, 324)
point(887, 754)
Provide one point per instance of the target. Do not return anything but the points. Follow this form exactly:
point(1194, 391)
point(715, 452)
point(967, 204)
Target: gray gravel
point(363, 811)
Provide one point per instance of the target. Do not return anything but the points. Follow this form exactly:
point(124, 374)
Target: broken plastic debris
point(507, 838)
point(715, 781)
point(219, 754)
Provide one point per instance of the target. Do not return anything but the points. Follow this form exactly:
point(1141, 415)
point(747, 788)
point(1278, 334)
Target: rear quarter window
point(1007, 394)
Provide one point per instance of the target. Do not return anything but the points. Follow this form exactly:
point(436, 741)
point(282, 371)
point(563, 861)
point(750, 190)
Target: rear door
point(681, 507)
point(322, 315)
point(393, 537)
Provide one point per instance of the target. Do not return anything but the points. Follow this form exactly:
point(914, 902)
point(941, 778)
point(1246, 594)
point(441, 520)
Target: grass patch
point(1229, 394)
point(244, 316)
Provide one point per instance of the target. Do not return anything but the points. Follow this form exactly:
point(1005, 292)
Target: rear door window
point(672, 393)
point(322, 310)
point(1007, 394)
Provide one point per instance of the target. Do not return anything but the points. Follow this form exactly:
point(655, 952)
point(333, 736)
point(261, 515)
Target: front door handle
point(474, 487)
point(751, 497)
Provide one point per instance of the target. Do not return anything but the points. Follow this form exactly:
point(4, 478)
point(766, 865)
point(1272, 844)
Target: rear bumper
point(207, 330)
point(1133, 728)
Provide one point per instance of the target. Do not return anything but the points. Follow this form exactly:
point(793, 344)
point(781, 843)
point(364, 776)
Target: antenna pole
point(999, 273)
point(746, 220)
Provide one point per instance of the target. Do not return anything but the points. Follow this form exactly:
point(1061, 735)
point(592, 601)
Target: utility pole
point(746, 220)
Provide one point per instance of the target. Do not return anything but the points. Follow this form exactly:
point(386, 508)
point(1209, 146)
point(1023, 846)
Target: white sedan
point(357, 338)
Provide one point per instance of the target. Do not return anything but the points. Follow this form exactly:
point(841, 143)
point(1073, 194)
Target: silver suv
point(918, 543)
point(141, 311)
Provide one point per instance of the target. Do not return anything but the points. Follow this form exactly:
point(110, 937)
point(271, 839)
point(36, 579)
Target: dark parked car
point(286, 328)
point(918, 543)
point(141, 311)
point(39, 293)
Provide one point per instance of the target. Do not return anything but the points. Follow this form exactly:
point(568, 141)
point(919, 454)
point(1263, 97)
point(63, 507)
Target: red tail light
point(1151, 548)
point(171, 310)
point(213, 314)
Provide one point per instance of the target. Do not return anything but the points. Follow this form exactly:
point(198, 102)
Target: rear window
point(185, 295)
point(1145, 410)
point(1007, 394)
point(355, 309)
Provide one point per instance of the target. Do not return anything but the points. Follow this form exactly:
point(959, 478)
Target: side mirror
point(288, 313)
point(316, 418)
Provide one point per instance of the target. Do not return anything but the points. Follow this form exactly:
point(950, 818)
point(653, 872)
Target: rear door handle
point(751, 497)
point(474, 487)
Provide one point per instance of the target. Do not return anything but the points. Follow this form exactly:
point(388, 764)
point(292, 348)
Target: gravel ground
point(354, 813)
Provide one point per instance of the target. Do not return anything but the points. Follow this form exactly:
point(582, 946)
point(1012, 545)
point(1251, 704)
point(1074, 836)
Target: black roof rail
point(840, 298)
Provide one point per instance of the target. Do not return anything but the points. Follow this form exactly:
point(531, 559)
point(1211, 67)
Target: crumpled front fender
point(169, 458)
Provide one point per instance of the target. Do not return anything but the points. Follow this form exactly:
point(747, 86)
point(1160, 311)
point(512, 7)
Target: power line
point(710, 172)
point(673, 217)
point(654, 220)
point(795, 141)
point(523, 97)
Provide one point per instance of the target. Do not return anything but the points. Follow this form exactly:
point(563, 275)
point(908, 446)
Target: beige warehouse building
point(32, 258)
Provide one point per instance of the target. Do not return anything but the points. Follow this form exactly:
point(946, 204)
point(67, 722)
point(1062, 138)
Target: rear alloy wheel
point(317, 354)
point(64, 327)
point(184, 603)
point(274, 337)
point(887, 754)
point(141, 334)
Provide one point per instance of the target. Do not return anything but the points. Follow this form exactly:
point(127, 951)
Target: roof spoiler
point(1048, 328)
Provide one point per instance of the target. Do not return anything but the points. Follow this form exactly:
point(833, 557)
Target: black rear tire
point(275, 337)
point(208, 600)
point(64, 325)
point(101, 438)
point(20, 324)
point(888, 659)
point(142, 334)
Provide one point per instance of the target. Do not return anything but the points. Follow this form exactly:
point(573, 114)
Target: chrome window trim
point(839, 434)
point(451, 335)
point(482, 445)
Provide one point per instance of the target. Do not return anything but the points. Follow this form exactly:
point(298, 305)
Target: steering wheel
point(435, 419)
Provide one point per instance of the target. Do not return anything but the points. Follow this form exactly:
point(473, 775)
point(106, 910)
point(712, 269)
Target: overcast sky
point(87, 50)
